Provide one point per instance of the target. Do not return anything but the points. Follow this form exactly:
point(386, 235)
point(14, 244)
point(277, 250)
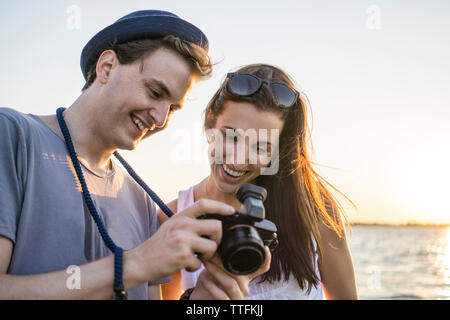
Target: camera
point(245, 233)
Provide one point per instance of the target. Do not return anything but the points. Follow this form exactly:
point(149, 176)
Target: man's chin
point(133, 145)
point(127, 148)
point(128, 145)
point(151, 133)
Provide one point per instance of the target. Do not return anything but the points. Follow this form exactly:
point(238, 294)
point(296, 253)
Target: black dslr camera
point(245, 233)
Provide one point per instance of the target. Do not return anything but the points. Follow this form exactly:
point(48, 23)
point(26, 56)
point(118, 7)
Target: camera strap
point(120, 293)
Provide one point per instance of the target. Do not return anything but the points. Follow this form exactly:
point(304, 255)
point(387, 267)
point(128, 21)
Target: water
point(407, 262)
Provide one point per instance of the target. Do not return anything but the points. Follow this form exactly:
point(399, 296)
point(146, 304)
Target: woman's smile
point(230, 175)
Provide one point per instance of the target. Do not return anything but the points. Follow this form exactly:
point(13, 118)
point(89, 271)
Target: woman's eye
point(228, 136)
point(231, 138)
point(262, 148)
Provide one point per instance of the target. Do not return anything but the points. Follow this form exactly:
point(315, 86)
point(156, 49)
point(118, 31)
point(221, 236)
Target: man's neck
point(90, 147)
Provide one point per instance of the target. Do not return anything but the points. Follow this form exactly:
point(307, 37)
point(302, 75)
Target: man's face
point(138, 98)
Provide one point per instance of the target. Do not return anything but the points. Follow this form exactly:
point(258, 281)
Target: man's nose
point(161, 113)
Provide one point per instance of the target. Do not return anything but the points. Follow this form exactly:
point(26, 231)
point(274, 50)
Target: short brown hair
point(129, 52)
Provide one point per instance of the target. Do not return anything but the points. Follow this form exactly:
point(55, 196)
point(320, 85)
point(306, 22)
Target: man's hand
point(215, 283)
point(175, 245)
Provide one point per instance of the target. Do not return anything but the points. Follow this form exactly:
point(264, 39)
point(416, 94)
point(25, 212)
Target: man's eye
point(155, 94)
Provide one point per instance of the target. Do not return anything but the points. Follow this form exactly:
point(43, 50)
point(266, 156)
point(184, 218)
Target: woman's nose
point(241, 156)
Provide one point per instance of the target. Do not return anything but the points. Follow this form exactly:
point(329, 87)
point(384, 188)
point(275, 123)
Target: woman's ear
point(105, 63)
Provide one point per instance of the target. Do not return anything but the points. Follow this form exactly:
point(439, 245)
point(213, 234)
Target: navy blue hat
point(140, 25)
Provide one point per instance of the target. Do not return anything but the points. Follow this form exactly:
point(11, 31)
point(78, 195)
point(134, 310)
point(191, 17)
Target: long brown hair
point(298, 200)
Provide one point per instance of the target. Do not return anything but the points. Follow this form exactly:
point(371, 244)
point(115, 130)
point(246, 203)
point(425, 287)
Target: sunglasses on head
point(247, 84)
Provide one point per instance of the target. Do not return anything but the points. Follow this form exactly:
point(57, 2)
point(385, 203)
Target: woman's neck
point(207, 189)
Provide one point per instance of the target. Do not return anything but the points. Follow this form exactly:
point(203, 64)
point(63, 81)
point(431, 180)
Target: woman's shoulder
point(184, 200)
point(186, 197)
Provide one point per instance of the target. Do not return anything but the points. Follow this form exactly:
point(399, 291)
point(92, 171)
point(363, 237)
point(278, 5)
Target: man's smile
point(142, 125)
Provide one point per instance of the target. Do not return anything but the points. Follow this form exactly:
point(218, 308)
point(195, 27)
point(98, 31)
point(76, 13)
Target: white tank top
point(279, 290)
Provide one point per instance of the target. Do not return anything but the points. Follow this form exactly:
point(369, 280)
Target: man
point(138, 71)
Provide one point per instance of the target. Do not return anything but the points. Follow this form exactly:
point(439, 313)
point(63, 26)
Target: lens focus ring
point(242, 250)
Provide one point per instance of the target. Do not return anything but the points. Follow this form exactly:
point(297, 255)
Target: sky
point(377, 74)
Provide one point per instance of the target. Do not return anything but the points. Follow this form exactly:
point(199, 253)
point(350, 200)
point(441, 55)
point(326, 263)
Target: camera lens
point(242, 250)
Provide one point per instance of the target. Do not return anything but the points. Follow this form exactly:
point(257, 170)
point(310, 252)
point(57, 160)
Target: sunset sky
point(377, 74)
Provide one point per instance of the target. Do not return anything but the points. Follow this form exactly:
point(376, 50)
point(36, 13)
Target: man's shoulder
point(10, 113)
point(13, 118)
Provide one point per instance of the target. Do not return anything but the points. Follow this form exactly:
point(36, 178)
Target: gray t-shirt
point(42, 208)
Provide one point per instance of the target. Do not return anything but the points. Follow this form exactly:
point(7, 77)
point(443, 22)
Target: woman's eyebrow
point(231, 128)
point(236, 131)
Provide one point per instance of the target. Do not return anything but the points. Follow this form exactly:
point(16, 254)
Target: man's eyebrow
point(161, 85)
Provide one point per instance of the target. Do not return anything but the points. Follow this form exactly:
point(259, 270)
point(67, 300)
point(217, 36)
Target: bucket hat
point(140, 25)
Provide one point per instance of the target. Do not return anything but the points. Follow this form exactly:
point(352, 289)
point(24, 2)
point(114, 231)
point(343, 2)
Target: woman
point(312, 258)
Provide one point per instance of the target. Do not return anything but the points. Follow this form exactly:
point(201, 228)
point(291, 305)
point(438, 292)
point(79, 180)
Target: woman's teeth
point(233, 173)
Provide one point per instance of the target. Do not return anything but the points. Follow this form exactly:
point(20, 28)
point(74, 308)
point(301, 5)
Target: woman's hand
point(215, 283)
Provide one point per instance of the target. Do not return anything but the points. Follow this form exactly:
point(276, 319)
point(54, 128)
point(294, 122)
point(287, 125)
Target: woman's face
point(244, 139)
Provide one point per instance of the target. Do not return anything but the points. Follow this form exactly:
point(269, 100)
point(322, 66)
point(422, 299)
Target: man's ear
point(105, 63)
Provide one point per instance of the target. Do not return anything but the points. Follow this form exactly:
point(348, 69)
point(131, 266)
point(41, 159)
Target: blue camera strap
point(120, 293)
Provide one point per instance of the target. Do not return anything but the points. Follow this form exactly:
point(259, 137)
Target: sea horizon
point(405, 224)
